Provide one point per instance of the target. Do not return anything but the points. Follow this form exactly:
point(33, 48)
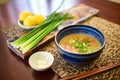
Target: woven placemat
point(12, 31)
point(109, 56)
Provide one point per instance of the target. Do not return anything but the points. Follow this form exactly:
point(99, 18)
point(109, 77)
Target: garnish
point(81, 46)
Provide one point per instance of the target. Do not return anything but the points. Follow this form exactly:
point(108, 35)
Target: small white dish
point(41, 61)
point(25, 27)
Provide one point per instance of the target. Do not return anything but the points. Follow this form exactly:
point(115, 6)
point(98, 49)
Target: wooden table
point(14, 68)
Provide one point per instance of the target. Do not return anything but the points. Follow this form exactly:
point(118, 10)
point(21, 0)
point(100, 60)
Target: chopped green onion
point(82, 46)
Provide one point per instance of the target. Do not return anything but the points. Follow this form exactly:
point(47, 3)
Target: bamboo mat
point(110, 54)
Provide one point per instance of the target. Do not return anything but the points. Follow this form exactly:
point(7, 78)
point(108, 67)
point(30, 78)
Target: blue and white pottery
point(79, 59)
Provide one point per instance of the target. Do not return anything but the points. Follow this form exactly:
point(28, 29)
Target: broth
point(80, 43)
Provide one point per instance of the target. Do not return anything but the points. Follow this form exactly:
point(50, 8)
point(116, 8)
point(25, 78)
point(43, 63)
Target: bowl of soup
point(79, 44)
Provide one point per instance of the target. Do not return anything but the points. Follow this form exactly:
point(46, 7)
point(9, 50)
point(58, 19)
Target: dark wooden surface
point(14, 68)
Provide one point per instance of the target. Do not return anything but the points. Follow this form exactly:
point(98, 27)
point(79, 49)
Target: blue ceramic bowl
point(79, 59)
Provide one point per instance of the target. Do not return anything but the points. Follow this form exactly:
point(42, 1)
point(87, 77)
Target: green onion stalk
point(46, 31)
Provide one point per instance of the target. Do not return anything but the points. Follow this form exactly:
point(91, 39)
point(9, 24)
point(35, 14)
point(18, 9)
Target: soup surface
point(80, 43)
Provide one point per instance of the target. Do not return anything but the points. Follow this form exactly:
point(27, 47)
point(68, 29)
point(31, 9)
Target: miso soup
point(80, 43)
